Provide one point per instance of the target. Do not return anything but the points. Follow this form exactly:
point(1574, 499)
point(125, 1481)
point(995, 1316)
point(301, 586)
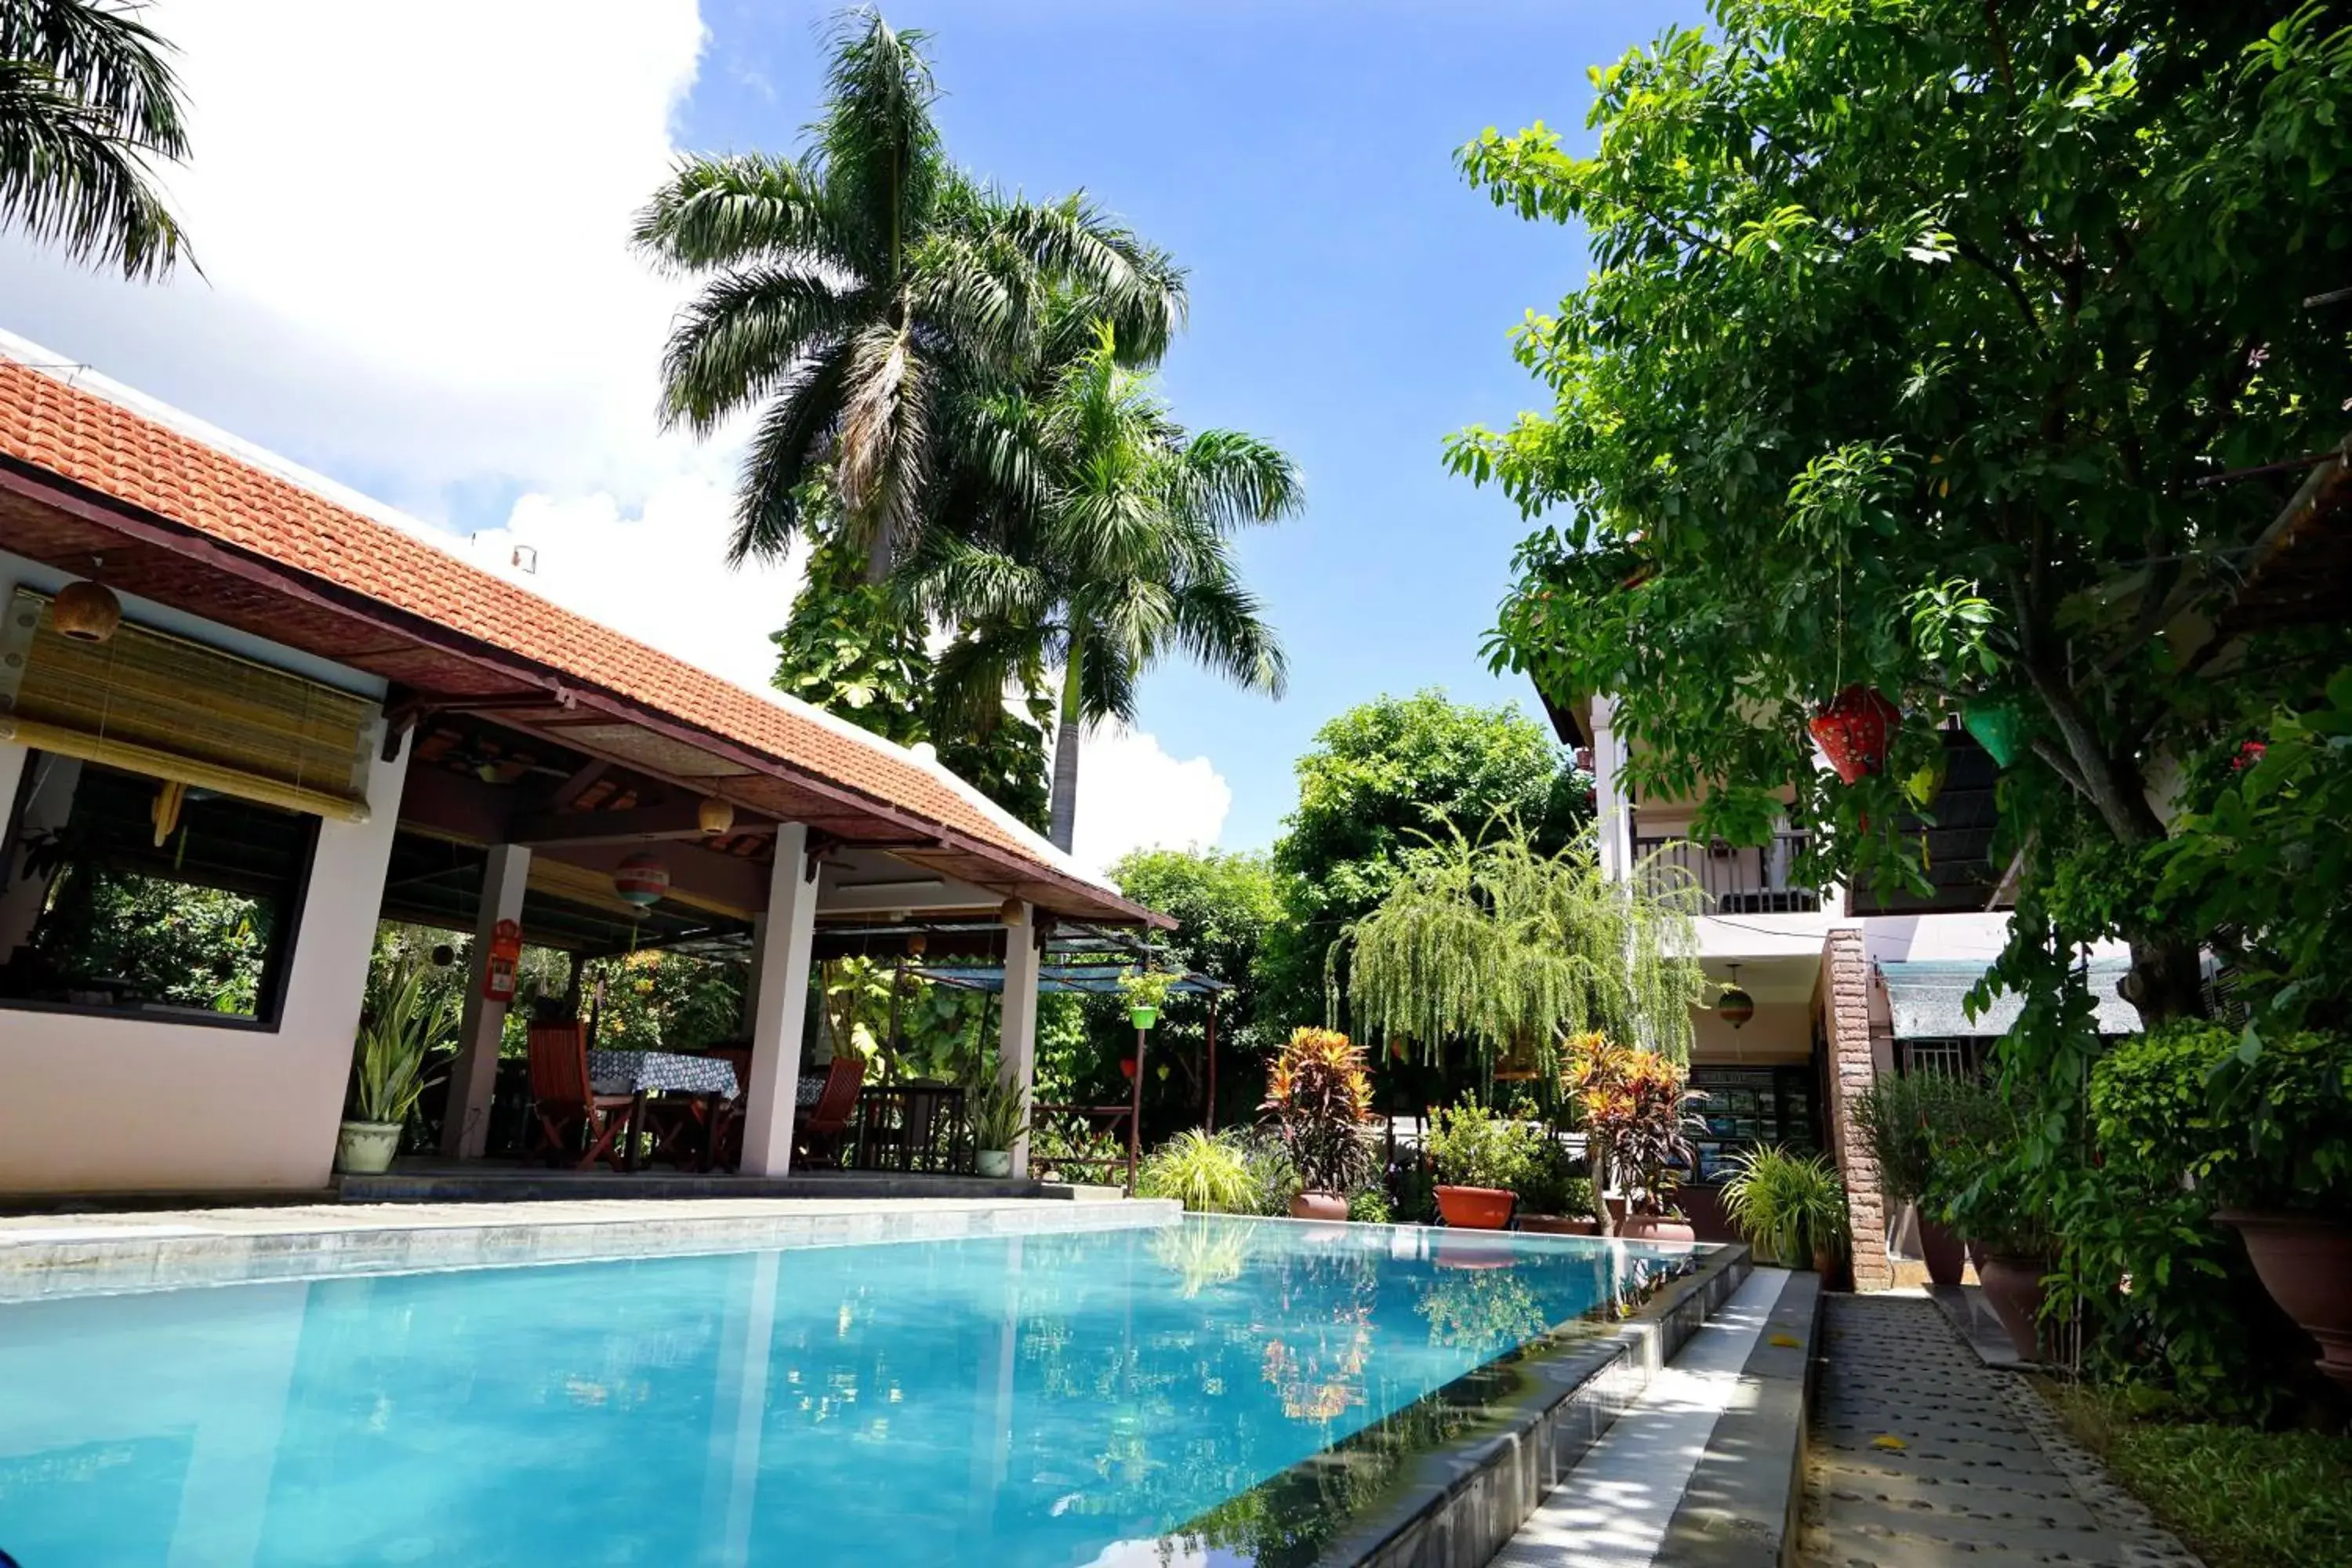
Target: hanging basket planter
point(1143, 1017)
point(1998, 726)
point(1853, 729)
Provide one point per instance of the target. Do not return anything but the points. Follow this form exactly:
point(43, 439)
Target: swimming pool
point(1042, 1400)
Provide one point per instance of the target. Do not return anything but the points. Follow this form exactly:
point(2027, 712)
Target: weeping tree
point(1511, 951)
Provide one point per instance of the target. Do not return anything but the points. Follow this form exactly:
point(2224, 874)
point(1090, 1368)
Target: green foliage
point(1512, 950)
point(1207, 1174)
point(2266, 864)
point(1787, 1205)
point(1270, 1165)
point(1146, 987)
point(404, 1016)
point(1381, 779)
point(1908, 1120)
point(190, 946)
point(1318, 1099)
point(1555, 1182)
point(1910, 331)
point(1371, 1206)
point(2262, 1123)
point(88, 101)
point(658, 1001)
point(1000, 1113)
point(2239, 1496)
point(863, 294)
point(1475, 1147)
point(1226, 906)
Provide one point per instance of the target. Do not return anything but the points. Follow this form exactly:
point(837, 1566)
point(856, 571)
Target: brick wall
point(1845, 983)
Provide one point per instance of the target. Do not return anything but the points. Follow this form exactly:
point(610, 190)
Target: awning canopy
point(1077, 979)
point(1925, 997)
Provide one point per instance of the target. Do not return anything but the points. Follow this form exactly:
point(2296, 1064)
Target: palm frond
point(1231, 479)
point(788, 450)
point(1222, 625)
point(1138, 290)
point(875, 148)
point(723, 212)
point(741, 337)
point(885, 437)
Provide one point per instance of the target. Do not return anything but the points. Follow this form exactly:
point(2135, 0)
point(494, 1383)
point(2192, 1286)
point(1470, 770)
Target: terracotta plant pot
point(2305, 1263)
point(2013, 1289)
point(1829, 1262)
point(1318, 1205)
point(1945, 1253)
point(1559, 1224)
point(366, 1148)
point(1477, 1208)
point(1654, 1227)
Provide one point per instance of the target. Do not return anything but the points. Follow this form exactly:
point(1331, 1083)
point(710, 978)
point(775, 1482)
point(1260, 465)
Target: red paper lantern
point(641, 881)
point(1852, 730)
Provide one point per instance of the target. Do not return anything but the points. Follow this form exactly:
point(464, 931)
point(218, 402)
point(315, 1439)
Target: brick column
point(1845, 977)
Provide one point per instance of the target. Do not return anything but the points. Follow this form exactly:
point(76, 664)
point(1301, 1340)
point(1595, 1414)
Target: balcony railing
point(1734, 879)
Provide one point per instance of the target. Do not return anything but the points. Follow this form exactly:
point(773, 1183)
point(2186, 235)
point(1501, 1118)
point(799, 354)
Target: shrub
point(2266, 1123)
point(1206, 1174)
point(1555, 1182)
point(1788, 1206)
point(1909, 1120)
point(1270, 1166)
point(1317, 1096)
point(1371, 1206)
point(1637, 1116)
point(1474, 1147)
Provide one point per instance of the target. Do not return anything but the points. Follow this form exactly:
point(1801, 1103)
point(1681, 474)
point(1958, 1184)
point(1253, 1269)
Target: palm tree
point(862, 290)
point(87, 98)
point(1105, 544)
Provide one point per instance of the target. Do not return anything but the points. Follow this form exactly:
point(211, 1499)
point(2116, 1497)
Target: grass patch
point(2242, 1498)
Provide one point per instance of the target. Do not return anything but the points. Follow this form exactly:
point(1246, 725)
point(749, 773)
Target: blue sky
point(430, 296)
point(1351, 294)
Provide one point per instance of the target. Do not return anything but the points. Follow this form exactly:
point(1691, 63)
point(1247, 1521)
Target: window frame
point(278, 961)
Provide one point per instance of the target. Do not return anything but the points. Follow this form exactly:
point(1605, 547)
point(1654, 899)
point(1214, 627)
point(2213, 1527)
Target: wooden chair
point(565, 1098)
point(818, 1129)
point(719, 1122)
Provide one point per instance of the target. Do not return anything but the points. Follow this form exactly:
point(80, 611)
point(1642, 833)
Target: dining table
point(642, 1073)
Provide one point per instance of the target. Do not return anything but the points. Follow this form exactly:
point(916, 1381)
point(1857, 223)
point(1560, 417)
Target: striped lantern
point(641, 881)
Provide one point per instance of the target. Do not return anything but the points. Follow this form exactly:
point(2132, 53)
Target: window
point(1748, 1108)
point(128, 893)
point(1947, 1058)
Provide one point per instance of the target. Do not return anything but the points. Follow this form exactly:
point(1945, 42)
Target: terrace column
point(1016, 1052)
point(1612, 800)
point(466, 1125)
point(1845, 984)
point(779, 988)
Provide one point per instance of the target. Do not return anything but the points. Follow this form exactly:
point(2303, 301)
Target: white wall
point(90, 1103)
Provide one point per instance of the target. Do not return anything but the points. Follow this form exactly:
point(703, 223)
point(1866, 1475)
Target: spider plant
point(1789, 1207)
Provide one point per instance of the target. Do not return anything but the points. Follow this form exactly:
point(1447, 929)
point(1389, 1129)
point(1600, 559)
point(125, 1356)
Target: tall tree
point(858, 292)
point(88, 101)
point(1383, 779)
point(1914, 335)
point(1108, 547)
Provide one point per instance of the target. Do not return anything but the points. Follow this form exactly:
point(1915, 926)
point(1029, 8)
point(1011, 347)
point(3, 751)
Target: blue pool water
point(1042, 1400)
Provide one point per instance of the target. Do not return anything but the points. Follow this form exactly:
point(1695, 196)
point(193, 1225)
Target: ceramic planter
point(2305, 1263)
point(2013, 1289)
point(1318, 1205)
point(1477, 1208)
point(997, 1162)
point(1945, 1253)
point(1654, 1227)
point(366, 1148)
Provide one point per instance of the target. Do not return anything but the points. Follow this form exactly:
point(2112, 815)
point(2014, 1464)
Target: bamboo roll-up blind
point(163, 705)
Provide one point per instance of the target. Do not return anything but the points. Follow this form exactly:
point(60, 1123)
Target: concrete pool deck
point(52, 1254)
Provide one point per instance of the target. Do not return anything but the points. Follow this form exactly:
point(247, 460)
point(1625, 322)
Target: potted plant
point(1146, 991)
point(1556, 1198)
point(999, 1112)
point(1792, 1208)
point(401, 1021)
point(2263, 1125)
point(1481, 1159)
point(1979, 1188)
point(1637, 1122)
point(1318, 1097)
point(1905, 1120)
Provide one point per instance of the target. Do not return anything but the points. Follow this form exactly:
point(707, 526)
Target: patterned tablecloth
point(646, 1072)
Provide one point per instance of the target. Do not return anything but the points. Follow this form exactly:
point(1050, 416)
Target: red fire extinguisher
point(506, 952)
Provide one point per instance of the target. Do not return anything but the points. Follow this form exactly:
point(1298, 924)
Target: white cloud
point(413, 225)
point(1133, 795)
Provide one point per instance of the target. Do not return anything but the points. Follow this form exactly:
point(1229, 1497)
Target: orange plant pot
point(1477, 1208)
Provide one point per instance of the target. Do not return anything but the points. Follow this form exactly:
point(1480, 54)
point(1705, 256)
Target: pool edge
point(182, 1258)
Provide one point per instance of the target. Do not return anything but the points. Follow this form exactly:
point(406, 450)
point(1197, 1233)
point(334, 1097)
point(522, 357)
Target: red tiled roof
point(121, 454)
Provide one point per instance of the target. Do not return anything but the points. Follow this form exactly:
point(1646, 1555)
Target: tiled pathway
point(1922, 1457)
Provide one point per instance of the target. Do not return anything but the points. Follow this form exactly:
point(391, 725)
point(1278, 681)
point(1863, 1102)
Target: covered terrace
point(325, 719)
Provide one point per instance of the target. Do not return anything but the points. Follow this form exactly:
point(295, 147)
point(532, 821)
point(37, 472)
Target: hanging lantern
point(917, 943)
point(1013, 912)
point(715, 815)
point(1852, 730)
point(641, 881)
point(1735, 1007)
point(1925, 784)
point(86, 611)
point(1998, 726)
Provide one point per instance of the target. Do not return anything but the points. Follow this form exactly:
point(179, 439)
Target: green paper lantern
point(1998, 726)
